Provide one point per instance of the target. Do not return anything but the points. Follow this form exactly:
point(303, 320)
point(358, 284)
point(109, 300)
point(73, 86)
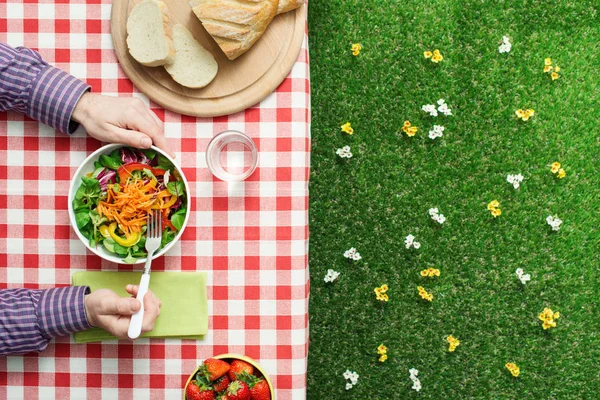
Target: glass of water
point(231, 156)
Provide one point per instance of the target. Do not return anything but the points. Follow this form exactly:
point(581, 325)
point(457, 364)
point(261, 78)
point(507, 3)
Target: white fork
point(153, 239)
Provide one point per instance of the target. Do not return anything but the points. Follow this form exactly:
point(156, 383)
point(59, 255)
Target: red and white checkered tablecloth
point(250, 238)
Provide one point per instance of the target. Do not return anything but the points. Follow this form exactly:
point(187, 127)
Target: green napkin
point(184, 311)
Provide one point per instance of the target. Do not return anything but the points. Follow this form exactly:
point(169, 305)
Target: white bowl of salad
point(112, 193)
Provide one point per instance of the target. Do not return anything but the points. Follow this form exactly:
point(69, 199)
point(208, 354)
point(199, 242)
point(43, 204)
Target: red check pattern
point(251, 238)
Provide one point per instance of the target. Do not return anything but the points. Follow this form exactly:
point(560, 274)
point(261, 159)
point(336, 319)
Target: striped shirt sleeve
point(30, 86)
point(29, 319)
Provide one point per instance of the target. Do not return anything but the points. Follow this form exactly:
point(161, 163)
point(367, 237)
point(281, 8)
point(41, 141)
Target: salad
point(113, 202)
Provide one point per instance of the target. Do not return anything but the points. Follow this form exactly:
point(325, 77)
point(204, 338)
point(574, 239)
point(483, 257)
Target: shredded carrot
point(130, 206)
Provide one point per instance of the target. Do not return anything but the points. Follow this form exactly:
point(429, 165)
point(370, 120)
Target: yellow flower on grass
point(555, 167)
point(514, 369)
point(436, 56)
point(409, 129)
point(380, 293)
point(356, 48)
point(525, 114)
point(453, 343)
point(493, 204)
point(561, 173)
point(548, 61)
point(554, 76)
point(424, 294)
point(382, 351)
point(556, 68)
point(548, 318)
point(430, 272)
point(494, 208)
point(548, 68)
point(347, 128)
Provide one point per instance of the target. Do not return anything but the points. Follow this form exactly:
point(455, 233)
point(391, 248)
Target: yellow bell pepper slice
point(128, 241)
point(104, 231)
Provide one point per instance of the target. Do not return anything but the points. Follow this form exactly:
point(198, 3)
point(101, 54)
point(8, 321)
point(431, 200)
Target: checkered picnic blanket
point(251, 238)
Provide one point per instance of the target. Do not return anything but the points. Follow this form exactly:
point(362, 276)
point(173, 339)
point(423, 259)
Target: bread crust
point(235, 24)
point(288, 5)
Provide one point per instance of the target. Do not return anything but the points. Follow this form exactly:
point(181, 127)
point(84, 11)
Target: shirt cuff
point(53, 98)
point(61, 311)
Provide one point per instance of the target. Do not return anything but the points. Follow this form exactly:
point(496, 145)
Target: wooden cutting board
point(238, 85)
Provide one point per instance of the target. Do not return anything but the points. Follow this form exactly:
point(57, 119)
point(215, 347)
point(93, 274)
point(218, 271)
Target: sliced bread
point(194, 66)
point(148, 34)
point(235, 24)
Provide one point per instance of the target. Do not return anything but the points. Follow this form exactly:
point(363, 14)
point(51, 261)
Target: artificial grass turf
point(375, 199)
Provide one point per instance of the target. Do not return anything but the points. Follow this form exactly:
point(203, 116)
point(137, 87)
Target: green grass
point(375, 199)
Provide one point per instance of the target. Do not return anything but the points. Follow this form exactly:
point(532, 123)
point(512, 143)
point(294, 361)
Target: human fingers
point(120, 306)
point(151, 312)
point(159, 138)
point(132, 289)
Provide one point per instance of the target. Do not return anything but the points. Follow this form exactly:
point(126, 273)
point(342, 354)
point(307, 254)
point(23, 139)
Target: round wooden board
point(238, 85)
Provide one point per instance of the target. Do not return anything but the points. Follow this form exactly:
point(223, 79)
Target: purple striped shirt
point(29, 319)
point(30, 86)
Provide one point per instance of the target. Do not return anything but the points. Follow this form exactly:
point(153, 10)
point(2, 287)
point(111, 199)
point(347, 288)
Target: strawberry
point(199, 391)
point(213, 369)
point(221, 383)
point(237, 367)
point(260, 391)
point(238, 390)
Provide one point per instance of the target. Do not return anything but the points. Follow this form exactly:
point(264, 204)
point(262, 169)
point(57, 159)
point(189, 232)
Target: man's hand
point(124, 120)
point(105, 309)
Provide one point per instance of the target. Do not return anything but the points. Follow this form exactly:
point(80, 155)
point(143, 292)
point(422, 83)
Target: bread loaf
point(194, 66)
point(148, 34)
point(288, 5)
point(235, 24)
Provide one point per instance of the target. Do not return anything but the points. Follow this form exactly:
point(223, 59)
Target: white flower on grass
point(413, 377)
point(505, 46)
point(554, 222)
point(436, 216)
point(344, 152)
point(430, 109)
point(352, 376)
point(352, 254)
point(515, 180)
point(411, 242)
point(331, 275)
point(524, 278)
point(438, 131)
point(443, 107)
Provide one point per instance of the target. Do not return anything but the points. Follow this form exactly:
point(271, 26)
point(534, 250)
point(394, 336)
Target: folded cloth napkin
point(184, 311)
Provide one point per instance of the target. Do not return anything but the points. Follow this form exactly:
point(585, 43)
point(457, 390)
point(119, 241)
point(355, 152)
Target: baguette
point(148, 34)
point(288, 5)
point(194, 66)
point(235, 24)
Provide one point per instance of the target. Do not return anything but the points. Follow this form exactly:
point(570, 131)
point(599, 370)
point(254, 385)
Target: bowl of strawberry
point(229, 377)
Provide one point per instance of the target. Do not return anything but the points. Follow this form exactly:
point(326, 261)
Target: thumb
point(131, 138)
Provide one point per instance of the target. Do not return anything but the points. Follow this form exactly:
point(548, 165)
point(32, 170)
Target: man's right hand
point(106, 310)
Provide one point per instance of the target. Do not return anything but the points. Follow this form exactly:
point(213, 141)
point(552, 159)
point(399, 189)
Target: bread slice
point(235, 24)
point(288, 5)
point(194, 66)
point(148, 34)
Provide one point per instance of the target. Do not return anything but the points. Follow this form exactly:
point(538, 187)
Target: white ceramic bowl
point(88, 166)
